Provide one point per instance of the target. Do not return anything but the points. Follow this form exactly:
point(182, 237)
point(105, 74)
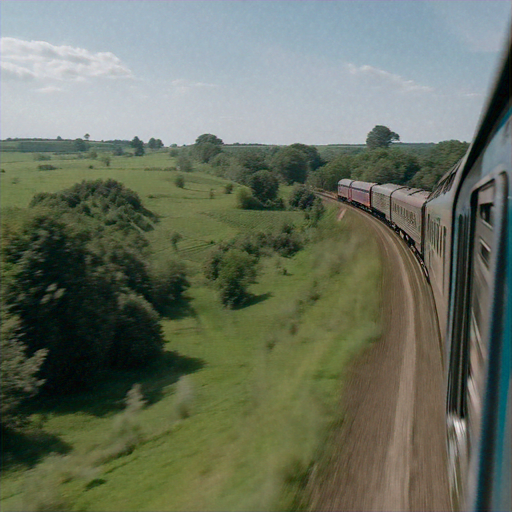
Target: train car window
point(487, 213)
point(485, 253)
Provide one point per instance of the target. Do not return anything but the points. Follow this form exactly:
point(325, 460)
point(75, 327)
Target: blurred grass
point(241, 431)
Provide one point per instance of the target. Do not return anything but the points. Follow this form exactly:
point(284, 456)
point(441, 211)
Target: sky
point(266, 71)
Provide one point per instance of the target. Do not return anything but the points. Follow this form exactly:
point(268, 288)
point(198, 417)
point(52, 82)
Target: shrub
point(264, 186)
point(168, 284)
point(246, 201)
point(228, 188)
point(301, 197)
point(138, 335)
point(18, 379)
point(236, 272)
point(179, 181)
point(46, 167)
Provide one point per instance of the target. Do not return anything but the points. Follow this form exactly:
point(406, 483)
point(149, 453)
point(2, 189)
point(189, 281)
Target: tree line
point(262, 170)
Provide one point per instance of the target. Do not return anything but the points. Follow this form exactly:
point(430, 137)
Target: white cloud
point(25, 60)
point(49, 89)
point(182, 84)
point(12, 71)
point(380, 77)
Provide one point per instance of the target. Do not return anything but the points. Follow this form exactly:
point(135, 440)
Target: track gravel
point(389, 452)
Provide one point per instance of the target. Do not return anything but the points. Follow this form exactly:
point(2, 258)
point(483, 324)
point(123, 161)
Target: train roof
point(345, 181)
point(362, 185)
point(387, 188)
point(413, 196)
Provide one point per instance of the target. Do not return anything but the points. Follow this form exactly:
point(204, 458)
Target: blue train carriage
point(479, 389)
point(438, 230)
point(381, 199)
point(407, 208)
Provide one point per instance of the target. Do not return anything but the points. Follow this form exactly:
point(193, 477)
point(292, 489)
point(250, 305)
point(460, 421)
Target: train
point(461, 233)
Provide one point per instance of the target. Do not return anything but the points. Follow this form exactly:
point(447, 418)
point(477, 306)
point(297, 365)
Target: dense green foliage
point(18, 373)
point(155, 143)
point(264, 186)
point(393, 165)
point(138, 146)
point(381, 137)
point(82, 285)
point(441, 159)
point(291, 164)
point(206, 147)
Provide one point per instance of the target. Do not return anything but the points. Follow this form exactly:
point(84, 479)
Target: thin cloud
point(183, 83)
point(25, 60)
point(380, 77)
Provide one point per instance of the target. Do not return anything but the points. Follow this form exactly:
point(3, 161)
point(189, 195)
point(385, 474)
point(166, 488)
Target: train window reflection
point(485, 253)
point(487, 213)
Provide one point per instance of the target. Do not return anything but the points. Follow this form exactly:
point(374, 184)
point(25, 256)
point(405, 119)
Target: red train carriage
point(360, 192)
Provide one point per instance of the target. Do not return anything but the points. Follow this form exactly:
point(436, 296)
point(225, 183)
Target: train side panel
point(381, 199)
point(360, 192)
point(344, 189)
point(407, 214)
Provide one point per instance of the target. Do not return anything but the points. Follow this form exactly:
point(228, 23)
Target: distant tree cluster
point(233, 265)
point(81, 293)
point(381, 163)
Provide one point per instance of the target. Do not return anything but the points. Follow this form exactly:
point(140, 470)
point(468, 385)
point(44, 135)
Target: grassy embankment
point(238, 420)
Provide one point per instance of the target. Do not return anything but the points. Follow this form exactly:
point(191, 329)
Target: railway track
point(389, 453)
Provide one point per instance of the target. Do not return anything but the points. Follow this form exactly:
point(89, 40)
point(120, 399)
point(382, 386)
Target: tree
point(301, 197)
point(80, 145)
point(207, 146)
point(208, 138)
point(312, 156)
point(291, 164)
point(237, 270)
point(381, 137)
point(264, 186)
point(155, 143)
point(18, 373)
point(87, 136)
point(138, 145)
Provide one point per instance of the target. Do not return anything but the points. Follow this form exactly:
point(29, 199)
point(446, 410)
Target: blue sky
point(277, 72)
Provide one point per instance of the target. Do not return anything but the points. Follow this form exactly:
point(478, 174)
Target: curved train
point(462, 234)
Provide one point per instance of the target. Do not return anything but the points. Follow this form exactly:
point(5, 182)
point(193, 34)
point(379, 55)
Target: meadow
point(238, 414)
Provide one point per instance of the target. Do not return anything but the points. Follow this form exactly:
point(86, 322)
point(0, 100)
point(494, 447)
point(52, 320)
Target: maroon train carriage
point(407, 209)
point(344, 189)
point(360, 192)
point(381, 199)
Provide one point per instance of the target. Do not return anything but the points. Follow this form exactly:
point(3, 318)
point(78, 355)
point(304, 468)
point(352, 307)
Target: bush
point(138, 335)
point(18, 379)
point(301, 197)
point(246, 201)
point(179, 181)
point(228, 188)
point(264, 186)
point(168, 284)
point(46, 167)
point(237, 271)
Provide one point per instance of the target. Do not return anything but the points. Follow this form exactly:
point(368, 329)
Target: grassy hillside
point(236, 415)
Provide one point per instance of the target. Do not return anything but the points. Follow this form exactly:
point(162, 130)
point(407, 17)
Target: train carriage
point(360, 192)
point(381, 199)
point(407, 208)
point(344, 189)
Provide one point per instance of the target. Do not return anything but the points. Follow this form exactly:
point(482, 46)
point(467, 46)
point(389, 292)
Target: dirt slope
point(389, 453)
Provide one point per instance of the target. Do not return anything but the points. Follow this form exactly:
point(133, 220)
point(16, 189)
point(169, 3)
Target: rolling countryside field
point(237, 414)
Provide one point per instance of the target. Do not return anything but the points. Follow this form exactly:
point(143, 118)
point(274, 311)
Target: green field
point(237, 417)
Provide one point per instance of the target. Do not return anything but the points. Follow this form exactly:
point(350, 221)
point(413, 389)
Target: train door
point(485, 335)
point(475, 345)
